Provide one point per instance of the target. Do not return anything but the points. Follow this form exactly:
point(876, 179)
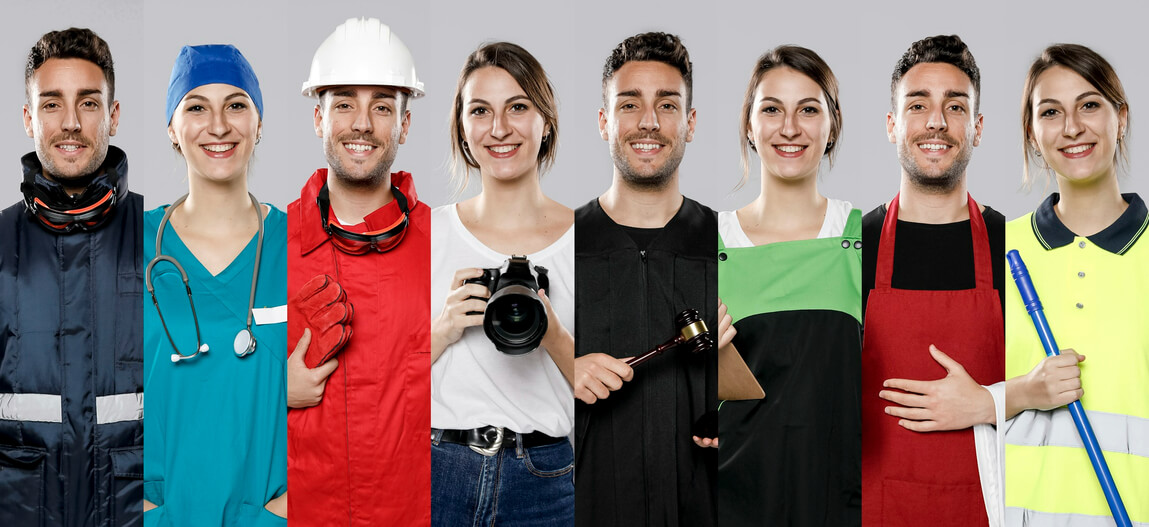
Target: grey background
point(861, 43)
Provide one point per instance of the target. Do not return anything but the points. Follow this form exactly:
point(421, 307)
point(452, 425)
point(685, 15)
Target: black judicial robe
point(635, 461)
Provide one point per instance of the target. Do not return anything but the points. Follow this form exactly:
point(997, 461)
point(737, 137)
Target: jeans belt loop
point(494, 448)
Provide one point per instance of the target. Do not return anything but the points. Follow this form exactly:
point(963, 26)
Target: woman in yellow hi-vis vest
point(1086, 253)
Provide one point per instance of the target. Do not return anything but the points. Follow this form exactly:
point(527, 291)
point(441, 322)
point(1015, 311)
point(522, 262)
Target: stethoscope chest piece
point(244, 343)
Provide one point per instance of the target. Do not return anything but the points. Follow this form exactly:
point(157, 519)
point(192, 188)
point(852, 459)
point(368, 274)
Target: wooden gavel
point(692, 332)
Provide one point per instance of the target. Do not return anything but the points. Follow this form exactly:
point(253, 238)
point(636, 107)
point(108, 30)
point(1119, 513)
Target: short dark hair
point(1092, 67)
point(531, 77)
point(657, 47)
point(71, 43)
point(946, 49)
point(808, 63)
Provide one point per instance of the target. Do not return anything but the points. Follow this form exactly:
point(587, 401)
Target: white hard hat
point(362, 51)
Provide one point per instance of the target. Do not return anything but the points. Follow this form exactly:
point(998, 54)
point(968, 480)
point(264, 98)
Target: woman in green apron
point(789, 272)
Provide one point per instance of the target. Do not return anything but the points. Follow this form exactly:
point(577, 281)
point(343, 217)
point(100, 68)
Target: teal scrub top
point(215, 426)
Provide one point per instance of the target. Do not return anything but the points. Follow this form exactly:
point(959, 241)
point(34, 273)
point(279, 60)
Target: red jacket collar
point(312, 234)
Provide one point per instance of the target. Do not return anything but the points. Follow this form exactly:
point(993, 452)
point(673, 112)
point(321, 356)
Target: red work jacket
point(360, 457)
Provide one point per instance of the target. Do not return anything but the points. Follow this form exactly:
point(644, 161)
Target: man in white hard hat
point(358, 252)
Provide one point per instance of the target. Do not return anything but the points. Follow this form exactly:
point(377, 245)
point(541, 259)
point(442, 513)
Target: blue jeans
point(517, 486)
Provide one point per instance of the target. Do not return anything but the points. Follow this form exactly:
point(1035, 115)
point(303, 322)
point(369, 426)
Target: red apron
point(911, 478)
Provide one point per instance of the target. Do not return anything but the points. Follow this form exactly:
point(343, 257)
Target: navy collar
point(1117, 238)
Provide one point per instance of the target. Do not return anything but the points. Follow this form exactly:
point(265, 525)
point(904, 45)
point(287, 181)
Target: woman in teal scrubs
point(215, 428)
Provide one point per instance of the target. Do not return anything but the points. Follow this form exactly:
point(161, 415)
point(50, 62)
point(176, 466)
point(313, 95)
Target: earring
point(751, 143)
point(258, 138)
point(176, 146)
point(1037, 153)
point(829, 146)
point(466, 146)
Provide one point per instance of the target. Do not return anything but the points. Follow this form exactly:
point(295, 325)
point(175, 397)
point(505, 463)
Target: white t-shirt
point(475, 385)
point(837, 213)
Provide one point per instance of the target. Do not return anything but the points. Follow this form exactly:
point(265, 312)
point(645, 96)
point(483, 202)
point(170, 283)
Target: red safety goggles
point(84, 219)
point(350, 242)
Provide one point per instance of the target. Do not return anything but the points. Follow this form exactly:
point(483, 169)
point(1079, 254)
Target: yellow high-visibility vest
point(1095, 292)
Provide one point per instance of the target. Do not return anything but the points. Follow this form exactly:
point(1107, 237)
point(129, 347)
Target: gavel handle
point(652, 353)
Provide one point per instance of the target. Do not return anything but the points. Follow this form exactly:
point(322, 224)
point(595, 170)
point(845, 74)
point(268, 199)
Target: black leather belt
point(488, 440)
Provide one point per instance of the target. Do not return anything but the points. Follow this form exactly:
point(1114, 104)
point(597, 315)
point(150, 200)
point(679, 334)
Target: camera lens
point(516, 320)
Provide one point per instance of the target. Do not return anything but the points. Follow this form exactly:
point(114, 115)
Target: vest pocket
point(127, 485)
point(22, 485)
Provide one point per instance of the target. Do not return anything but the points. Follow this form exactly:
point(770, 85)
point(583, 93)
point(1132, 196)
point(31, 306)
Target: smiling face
point(70, 118)
point(362, 128)
point(216, 127)
point(503, 128)
point(934, 126)
point(646, 122)
point(789, 124)
point(1075, 127)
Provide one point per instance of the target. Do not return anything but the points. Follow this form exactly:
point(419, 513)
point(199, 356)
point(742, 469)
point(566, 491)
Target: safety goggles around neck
point(83, 219)
point(350, 242)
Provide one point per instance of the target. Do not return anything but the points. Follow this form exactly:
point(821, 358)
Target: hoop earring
point(751, 143)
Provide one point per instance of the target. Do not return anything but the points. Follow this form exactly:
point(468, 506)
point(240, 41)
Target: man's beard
point(88, 172)
point(652, 182)
point(942, 183)
point(375, 175)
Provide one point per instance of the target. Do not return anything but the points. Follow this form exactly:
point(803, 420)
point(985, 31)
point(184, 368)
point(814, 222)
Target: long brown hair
point(526, 70)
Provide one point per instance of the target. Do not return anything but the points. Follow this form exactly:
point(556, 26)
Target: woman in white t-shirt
point(789, 273)
point(500, 421)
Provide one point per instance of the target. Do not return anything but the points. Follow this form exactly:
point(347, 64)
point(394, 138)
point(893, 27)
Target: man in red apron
point(932, 280)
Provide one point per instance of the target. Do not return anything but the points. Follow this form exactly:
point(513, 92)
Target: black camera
point(516, 318)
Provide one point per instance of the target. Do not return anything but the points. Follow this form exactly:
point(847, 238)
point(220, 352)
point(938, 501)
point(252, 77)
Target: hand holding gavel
point(692, 333)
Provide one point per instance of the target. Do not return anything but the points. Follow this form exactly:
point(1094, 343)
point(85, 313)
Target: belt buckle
point(494, 449)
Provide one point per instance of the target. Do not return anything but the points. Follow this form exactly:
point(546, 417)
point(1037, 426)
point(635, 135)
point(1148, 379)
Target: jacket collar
point(1117, 238)
point(313, 235)
point(113, 172)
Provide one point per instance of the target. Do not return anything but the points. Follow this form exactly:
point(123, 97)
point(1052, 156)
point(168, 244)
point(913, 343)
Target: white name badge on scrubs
point(269, 315)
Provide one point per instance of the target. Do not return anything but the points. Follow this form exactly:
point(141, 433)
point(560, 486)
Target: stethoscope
point(244, 340)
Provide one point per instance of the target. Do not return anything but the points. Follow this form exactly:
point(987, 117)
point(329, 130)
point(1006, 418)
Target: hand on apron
point(954, 402)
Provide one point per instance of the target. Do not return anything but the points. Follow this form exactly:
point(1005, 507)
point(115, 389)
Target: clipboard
point(735, 380)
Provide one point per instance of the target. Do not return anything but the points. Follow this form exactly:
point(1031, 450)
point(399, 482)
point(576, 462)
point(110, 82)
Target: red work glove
point(321, 304)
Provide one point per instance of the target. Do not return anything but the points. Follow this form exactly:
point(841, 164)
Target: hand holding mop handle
point(1033, 306)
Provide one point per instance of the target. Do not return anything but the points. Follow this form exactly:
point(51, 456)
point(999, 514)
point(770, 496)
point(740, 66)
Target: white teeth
point(358, 148)
point(646, 146)
point(69, 148)
point(933, 146)
point(1077, 149)
point(790, 149)
point(502, 149)
point(218, 148)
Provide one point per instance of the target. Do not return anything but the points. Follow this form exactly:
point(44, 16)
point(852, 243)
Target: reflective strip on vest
point(38, 407)
point(1056, 428)
point(1027, 518)
point(45, 408)
point(119, 407)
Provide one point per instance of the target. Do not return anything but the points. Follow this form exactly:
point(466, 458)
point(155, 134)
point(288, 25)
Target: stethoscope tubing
point(202, 347)
point(1080, 420)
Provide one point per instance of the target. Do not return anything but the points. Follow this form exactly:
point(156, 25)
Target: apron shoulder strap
point(982, 262)
point(884, 271)
point(853, 225)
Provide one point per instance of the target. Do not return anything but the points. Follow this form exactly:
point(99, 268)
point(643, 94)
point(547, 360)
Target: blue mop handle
point(1096, 456)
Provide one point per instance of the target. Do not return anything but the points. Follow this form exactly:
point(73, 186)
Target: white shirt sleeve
point(989, 443)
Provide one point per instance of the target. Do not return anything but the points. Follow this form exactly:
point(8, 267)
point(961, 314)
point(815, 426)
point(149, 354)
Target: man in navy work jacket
point(71, 390)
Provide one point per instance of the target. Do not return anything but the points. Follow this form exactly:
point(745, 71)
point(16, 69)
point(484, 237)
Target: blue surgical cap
point(217, 63)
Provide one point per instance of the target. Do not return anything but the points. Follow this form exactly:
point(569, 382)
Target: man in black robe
point(643, 254)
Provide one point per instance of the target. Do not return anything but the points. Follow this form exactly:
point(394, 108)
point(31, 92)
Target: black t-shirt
point(932, 257)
